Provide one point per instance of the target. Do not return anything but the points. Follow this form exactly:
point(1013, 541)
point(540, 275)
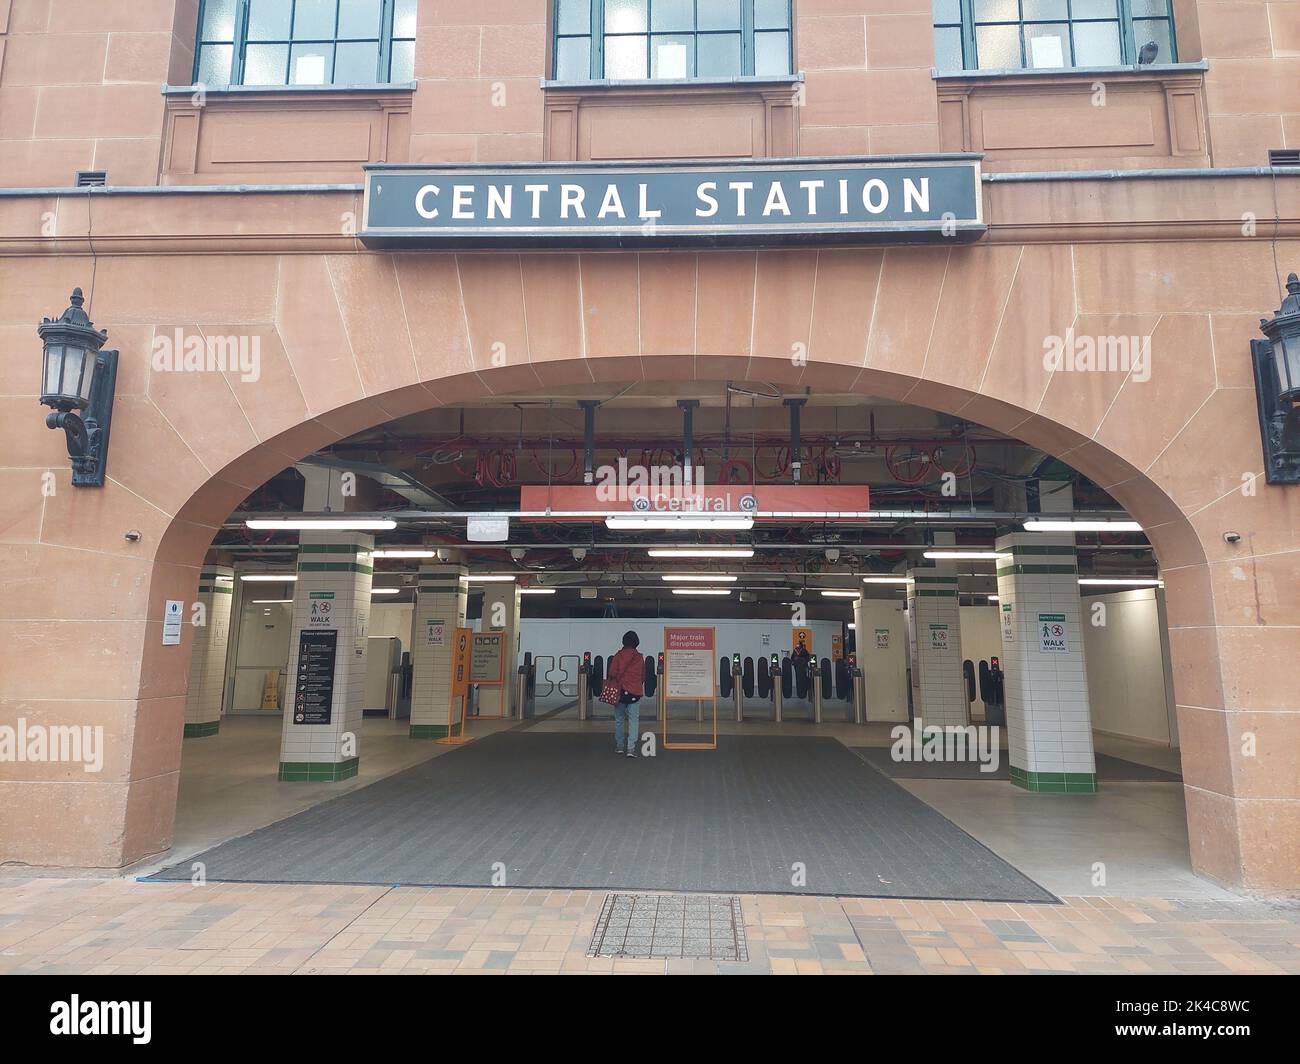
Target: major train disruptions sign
point(927, 199)
point(689, 665)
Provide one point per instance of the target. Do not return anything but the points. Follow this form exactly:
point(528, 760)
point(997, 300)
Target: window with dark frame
point(1051, 34)
point(631, 40)
point(305, 42)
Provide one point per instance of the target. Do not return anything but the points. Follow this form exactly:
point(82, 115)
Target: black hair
point(631, 639)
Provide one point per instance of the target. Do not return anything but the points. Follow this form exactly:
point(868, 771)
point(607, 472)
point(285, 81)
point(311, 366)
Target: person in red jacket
point(627, 669)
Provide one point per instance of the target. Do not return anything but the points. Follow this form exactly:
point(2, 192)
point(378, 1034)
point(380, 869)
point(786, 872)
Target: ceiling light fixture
point(669, 523)
point(342, 524)
point(701, 552)
point(1082, 525)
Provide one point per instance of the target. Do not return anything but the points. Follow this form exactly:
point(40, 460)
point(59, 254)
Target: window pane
point(1145, 30)
point(574, 16)
point(947, 48)
point(672, 15)
point(626, 16)
point(947, 11)
point(1045, 10)
point(573, 59)
point(671, 57)
point(1094, 9)
point(214, 64)
point(771, 53)
point(771, 14)
point(718, 14)
point(268, 20)
point(266, 64)
point(403, 61)
point(309, 64)
point(719, 55)
point(404, 19)
point(218, 20)
point(359, 19)
point(1047, 47)
point(996, 10)
point(998, 47)
point(356, 63)
point(1096, 44)
point(1150, 7)
point(625, 57)
point(313, 20)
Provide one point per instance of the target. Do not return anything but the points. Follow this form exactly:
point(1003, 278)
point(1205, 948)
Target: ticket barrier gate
point(526, 688)
point(992, 689)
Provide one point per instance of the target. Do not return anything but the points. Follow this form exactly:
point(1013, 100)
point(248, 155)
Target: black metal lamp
point(77, 375)
point(1277, 388)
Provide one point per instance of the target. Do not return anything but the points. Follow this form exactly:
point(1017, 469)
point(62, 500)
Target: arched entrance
point(352, 341)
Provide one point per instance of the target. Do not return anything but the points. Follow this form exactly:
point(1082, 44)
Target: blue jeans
point(627, 723)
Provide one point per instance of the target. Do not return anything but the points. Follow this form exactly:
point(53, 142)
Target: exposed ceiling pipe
point(796, 409)
point(588, 438)
point(688, 439)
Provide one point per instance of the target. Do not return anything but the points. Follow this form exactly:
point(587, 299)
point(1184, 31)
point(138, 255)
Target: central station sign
point(927, 199)
point(765, 502)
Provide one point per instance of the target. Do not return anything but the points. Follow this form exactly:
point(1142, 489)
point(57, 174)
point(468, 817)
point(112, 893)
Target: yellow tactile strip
point(119, 926)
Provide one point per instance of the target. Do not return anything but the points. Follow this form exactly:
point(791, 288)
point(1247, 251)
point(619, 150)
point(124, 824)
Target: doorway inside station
point(919, 684)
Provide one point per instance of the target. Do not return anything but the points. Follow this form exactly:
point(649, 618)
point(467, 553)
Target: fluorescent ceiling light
point(537, 591)
point(698, 578)
point(668, 523)
point(490, 578)
point(701, 591)
point(852, 627)
point(272, 602)
point(225, 580)
point(702, 552)
point(386, 590)
point(1121, 581)
point(994, 598)
point(884, 580)
point(840, 594)
point(269, 578)
point(342, 524)
point(1082, 525)
point(967, 555)
point(403, 554)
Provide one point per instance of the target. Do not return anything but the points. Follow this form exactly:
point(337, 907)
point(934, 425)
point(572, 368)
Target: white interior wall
point(881, 639)
point(1127, 674)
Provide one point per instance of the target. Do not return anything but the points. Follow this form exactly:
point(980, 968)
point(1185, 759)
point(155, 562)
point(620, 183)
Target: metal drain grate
point(706, 927)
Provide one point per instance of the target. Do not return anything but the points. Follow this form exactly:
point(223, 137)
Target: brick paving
point(121, 926)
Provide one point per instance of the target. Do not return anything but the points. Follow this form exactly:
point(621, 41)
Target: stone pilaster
point(501, 614)
point(934, 646)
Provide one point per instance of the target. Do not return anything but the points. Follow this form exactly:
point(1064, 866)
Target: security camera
point(518, 553)
point(133, 536)
point(579, 553)
point(832, 554)
point(443, 554)
point(1232, 537)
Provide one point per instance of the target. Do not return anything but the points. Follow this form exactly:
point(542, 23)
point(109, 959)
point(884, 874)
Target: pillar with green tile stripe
point(325, 687)
point(934, 643)
point(1049, 721)
point(440, 603)
point(207, 676)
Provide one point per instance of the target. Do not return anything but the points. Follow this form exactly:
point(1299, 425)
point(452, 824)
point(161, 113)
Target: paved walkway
point(120, 926)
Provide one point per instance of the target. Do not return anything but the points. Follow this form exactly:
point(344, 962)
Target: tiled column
point(207, 680)
point(439, 611)
point(934, 642)
point(1049, 726)
point(332, 594)
point(501, 604)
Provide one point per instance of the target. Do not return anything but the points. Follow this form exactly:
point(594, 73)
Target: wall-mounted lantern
point(77, 375)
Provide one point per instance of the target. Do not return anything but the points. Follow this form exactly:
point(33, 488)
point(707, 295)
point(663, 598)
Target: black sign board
point(928, 199)
point(313, 686)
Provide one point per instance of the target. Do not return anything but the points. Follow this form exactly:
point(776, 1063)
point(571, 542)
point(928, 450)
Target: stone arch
point(350, 341)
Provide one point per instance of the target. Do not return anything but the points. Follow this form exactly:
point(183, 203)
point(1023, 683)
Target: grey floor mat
point(561, 810)
point(1109, 769)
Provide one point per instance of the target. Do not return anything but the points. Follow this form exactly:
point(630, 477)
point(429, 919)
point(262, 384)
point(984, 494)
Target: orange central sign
point(821, 502)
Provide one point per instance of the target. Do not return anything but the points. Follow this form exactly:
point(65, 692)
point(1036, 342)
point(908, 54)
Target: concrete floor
point(1137, 831)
